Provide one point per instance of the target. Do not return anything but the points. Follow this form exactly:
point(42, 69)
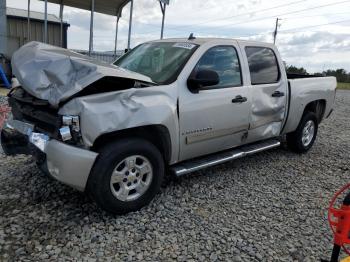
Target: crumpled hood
point(55, 74)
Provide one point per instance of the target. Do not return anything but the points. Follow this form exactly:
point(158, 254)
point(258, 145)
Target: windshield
point(161, 61)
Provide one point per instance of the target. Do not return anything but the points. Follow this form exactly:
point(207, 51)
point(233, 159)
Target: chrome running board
point(222, 157)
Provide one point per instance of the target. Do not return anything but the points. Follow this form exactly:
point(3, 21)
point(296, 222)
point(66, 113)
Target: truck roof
point(201, 41)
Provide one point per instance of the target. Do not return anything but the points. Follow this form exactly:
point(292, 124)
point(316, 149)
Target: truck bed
point(304, 89)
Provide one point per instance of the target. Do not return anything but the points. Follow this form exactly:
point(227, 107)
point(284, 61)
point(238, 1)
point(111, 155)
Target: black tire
point(294, 139)
point(99, 187)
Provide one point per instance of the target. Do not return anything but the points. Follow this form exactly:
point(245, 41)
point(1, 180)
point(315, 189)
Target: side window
point(263, 65)
point(224, 61)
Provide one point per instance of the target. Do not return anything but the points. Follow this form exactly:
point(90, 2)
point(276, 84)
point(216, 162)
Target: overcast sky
point(314, 34)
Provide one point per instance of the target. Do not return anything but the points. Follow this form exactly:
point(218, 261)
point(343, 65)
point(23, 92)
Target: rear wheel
point(302, 139)
point(127, 175)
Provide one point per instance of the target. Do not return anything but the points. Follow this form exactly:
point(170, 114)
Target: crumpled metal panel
point(266, 109)
point(55, 74)
point(267, 112)
point(107, 112)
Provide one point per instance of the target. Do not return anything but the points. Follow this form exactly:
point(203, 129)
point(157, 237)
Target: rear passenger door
point(269, 92)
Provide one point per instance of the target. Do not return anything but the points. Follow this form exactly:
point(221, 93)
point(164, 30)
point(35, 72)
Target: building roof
point(108, 7)
point(15, 12)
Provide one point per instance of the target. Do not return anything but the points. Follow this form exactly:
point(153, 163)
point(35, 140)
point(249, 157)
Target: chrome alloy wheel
point(131, 178)
point(308, 133)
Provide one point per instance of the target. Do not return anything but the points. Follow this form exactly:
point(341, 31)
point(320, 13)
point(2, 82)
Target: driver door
point(215, 118)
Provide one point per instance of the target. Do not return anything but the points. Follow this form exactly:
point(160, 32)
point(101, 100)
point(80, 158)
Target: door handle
point(277, 94)
point(239, 99)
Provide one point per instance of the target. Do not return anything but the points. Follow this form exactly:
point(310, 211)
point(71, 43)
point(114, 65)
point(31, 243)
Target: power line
point(297, 29)
point(244, 14)
point(268, 33)
point(281, 31)
point(292, 12)
point(287, 30)
point(287, 13)
point(287, 18)
point(331, 23)
point(294, 17)
point(319, 15)
point(228, 17)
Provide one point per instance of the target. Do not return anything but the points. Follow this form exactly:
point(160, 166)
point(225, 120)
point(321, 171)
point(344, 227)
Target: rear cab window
point(263, 65)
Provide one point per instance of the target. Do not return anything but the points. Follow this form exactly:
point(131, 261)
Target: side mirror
point(202, 78)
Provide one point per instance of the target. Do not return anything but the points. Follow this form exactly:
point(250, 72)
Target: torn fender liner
point(55, 74)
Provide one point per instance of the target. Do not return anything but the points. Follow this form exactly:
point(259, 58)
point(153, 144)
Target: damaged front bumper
point(68, 164)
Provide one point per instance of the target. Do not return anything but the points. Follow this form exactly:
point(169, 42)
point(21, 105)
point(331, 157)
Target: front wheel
point(302, 139)
point(126, 176)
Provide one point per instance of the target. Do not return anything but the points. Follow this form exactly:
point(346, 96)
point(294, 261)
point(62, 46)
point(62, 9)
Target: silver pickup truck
point(166, 107)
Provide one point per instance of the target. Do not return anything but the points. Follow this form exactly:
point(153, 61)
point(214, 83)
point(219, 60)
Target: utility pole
point(28, 22)
point(162, 7)
point(91, 38)
point(276, 30)
point(61, 23)
point(130, 23)
point(163, 4)
point(45, 24)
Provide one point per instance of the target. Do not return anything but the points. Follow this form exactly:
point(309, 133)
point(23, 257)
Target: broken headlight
point(70, 128)
point(72, 121)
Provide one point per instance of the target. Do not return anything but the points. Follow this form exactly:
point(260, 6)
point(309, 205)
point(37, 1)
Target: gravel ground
point(267, 207)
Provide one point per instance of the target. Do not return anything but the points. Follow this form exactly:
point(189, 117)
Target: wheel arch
point(297, 110)
point(156, 134)
point(318, 107)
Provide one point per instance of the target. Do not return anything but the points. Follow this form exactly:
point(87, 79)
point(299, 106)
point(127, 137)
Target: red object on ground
point(4, 111)
point(339, 220)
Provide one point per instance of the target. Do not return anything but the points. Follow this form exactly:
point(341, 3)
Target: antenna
point(191, 37)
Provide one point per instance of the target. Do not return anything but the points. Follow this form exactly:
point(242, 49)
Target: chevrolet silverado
point(176, 105)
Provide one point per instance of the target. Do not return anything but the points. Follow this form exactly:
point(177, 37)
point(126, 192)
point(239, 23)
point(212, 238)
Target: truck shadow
point(55, 198)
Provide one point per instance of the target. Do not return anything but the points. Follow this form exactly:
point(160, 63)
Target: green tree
point(341, 74)
point(296, 70)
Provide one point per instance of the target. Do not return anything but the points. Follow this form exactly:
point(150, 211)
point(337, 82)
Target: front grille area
point(27, 108)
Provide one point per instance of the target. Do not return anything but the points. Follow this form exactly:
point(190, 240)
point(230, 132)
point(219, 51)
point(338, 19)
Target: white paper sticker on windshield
point(184, 45)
